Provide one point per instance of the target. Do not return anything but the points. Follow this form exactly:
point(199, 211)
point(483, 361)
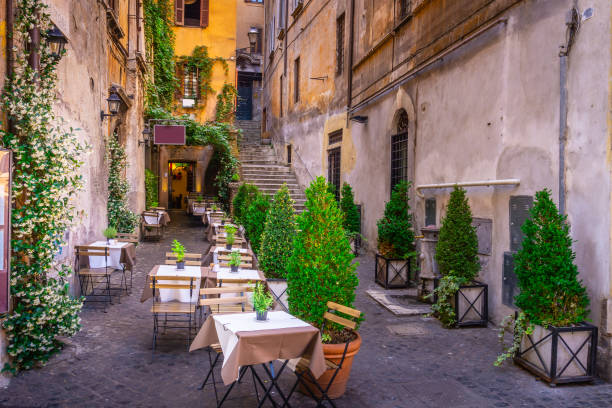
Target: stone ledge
point(400, 302)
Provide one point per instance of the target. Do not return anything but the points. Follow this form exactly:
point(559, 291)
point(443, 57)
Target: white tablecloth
point(199, 210)
point(149, 219)
point(223, 249)
point(227, 325)
point(114, 255)
point(226, 273)
point(182, 295)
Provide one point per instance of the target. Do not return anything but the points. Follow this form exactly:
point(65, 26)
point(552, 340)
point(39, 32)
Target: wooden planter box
point(560, 354)
point(392, 273)
point(472, 305)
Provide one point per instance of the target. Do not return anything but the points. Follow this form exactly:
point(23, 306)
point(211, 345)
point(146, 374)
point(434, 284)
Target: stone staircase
point(251, 131)
point(261, 168)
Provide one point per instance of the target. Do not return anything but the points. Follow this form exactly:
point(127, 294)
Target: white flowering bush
point(45, 178)
point(119, 215)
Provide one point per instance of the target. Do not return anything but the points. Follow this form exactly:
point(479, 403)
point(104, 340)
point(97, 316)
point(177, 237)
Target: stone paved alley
point(109, 362)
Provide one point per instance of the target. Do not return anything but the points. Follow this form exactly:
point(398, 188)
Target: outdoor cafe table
point(223, 274)
point(120, 254)
point(206, 279)
point(243, 251)
point(162, 218)
point(248, 342)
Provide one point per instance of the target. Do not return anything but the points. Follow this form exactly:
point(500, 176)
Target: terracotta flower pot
point(333, 352)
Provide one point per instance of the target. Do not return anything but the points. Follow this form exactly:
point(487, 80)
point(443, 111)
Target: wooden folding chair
point(151, 229)
point(301, 369)
point(122, 237)
point(191, 259)
point(173, 308)
point(92, 277)
point(246, 261)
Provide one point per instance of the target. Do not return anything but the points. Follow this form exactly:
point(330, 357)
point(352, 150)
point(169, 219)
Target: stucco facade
point(481, 84)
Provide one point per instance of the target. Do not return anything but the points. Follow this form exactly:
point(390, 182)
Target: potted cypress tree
point(244, 197)
point(351, 217)
point(321, 269)
point(396, 248)
point(460, 300)
point(255, 220)
point(551, 338)
point(277, 244)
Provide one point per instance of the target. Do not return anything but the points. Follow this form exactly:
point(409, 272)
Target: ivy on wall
point(225, 103)
point(118, 212)
point(47, 157)
point(199, 61)
point(151, 189)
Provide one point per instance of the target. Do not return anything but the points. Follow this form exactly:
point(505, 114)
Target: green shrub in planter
point(321, 268)
point(456, 254)
point(255, 219)
point(277, 238)
point(350, 210)
point(244, 197)
point(550, 292)
point(395, 232)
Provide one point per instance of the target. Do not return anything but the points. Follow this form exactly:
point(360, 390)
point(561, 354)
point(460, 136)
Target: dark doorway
point(181, 176)
point(244, 108)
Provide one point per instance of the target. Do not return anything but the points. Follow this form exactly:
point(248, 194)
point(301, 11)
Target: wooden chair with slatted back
point(151, 228)
point(174, 309)
point(191, 259)
point(92, 277)
point(246, 260)
point(349, 321)
point(220, 240)
point(122, 237)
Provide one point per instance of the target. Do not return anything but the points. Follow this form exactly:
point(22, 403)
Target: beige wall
point(247, 15)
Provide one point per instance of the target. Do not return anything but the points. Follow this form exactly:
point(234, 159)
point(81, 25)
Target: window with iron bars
point(333, 170)
point(190, 84)
point(339, 44)
point(399, 151)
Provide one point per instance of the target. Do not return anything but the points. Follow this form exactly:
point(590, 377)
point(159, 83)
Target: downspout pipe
point(349, 92)
point(573, 24)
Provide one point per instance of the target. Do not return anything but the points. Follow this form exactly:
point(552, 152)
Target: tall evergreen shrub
point(151, 188)
point(255, 219)
point(244, 197)
point(551, 293)
point(395, 231)
point(350, 210)
point(321, 268)
point(277, 238)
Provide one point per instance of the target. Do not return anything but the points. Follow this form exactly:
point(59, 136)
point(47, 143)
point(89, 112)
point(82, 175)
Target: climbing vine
point(199, 61)
point(119, 214)
point(225, 103)
point(151, 189)
point(47, 157)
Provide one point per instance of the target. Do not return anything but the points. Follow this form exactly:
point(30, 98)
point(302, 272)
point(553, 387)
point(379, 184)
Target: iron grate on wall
point(399, 158)
point(333, 170)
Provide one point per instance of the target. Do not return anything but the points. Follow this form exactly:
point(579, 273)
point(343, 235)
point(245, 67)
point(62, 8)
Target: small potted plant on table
point(235, 261)
point(262, 301)
point(322, 272)
point(460, 300)
point(179, 251)
point(230, 236)
point(396, 249)
point(110, 233)
point(551, 338)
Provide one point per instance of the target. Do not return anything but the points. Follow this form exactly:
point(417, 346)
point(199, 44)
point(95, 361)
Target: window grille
point(296, 80)
point(399, 151)
point(333, 170)
point(335, 137)
point(339, 44)
point(191, 83)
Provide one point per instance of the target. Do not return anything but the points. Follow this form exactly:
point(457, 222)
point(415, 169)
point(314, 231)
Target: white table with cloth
point(114, 255)
point(181, 295)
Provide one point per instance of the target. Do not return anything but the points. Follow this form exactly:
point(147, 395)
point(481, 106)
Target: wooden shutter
point(179, 12)
point(203, 13)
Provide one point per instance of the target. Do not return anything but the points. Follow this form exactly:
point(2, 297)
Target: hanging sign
point(5, 227)
point(169, 134)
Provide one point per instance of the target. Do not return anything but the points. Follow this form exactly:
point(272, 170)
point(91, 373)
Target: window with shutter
point(179, 12)
point(195, 13)
point(204, 13)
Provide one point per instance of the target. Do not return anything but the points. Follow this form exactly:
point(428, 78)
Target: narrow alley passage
point(404, 361)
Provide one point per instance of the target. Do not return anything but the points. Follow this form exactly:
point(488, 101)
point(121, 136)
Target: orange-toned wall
point(220, 38)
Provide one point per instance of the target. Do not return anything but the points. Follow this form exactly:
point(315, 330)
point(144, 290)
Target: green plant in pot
point(230, 236)
point(254, 221)
point(235, 260)
point(553, 302)
point(457, 258)
point(178, 250)
point(396, 248)
point(245, 195)
point(110, 233)
point(214, 207)
point(262, 300)
point(154, 204)
point(322, 269)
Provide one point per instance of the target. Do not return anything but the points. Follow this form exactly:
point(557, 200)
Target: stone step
point(276, 186)
point(264, 162)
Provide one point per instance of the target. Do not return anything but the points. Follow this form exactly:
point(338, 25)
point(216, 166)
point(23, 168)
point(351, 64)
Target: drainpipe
point(349, 92)
point(573, 24)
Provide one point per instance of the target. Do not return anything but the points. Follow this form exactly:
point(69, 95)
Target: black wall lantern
point(146, 136)
point(114, 103)
point(57, 41)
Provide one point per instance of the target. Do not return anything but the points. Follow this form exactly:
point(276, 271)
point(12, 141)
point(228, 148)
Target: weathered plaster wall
point(247, 15)
point(220, 38)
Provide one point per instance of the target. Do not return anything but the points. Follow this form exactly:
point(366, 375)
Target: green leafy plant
point(214, 207)
point(520, 327)
point(262, 300)
point(178, 250)
point(230, 234)
point(350, 210)
point(395, 230)
point(201, 62)
point(235, 258)
point(247, 193)
point(110, 233)
point(225, 103)
point(255, 220)
point(154, 204)
point(47, 156)
point(236, 177)
point(277, 237)
point(119, 214)
point(550, 292)
point(321, 267)
point(456, 254)
point(151, 189)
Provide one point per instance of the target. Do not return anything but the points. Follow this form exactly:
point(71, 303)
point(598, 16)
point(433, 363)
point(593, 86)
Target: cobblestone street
point(403, 362)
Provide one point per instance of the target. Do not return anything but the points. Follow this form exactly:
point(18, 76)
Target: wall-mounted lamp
point(253, 34)
point(146, 135)
point(114, 102)
point(359, 119)
point(57, 41)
